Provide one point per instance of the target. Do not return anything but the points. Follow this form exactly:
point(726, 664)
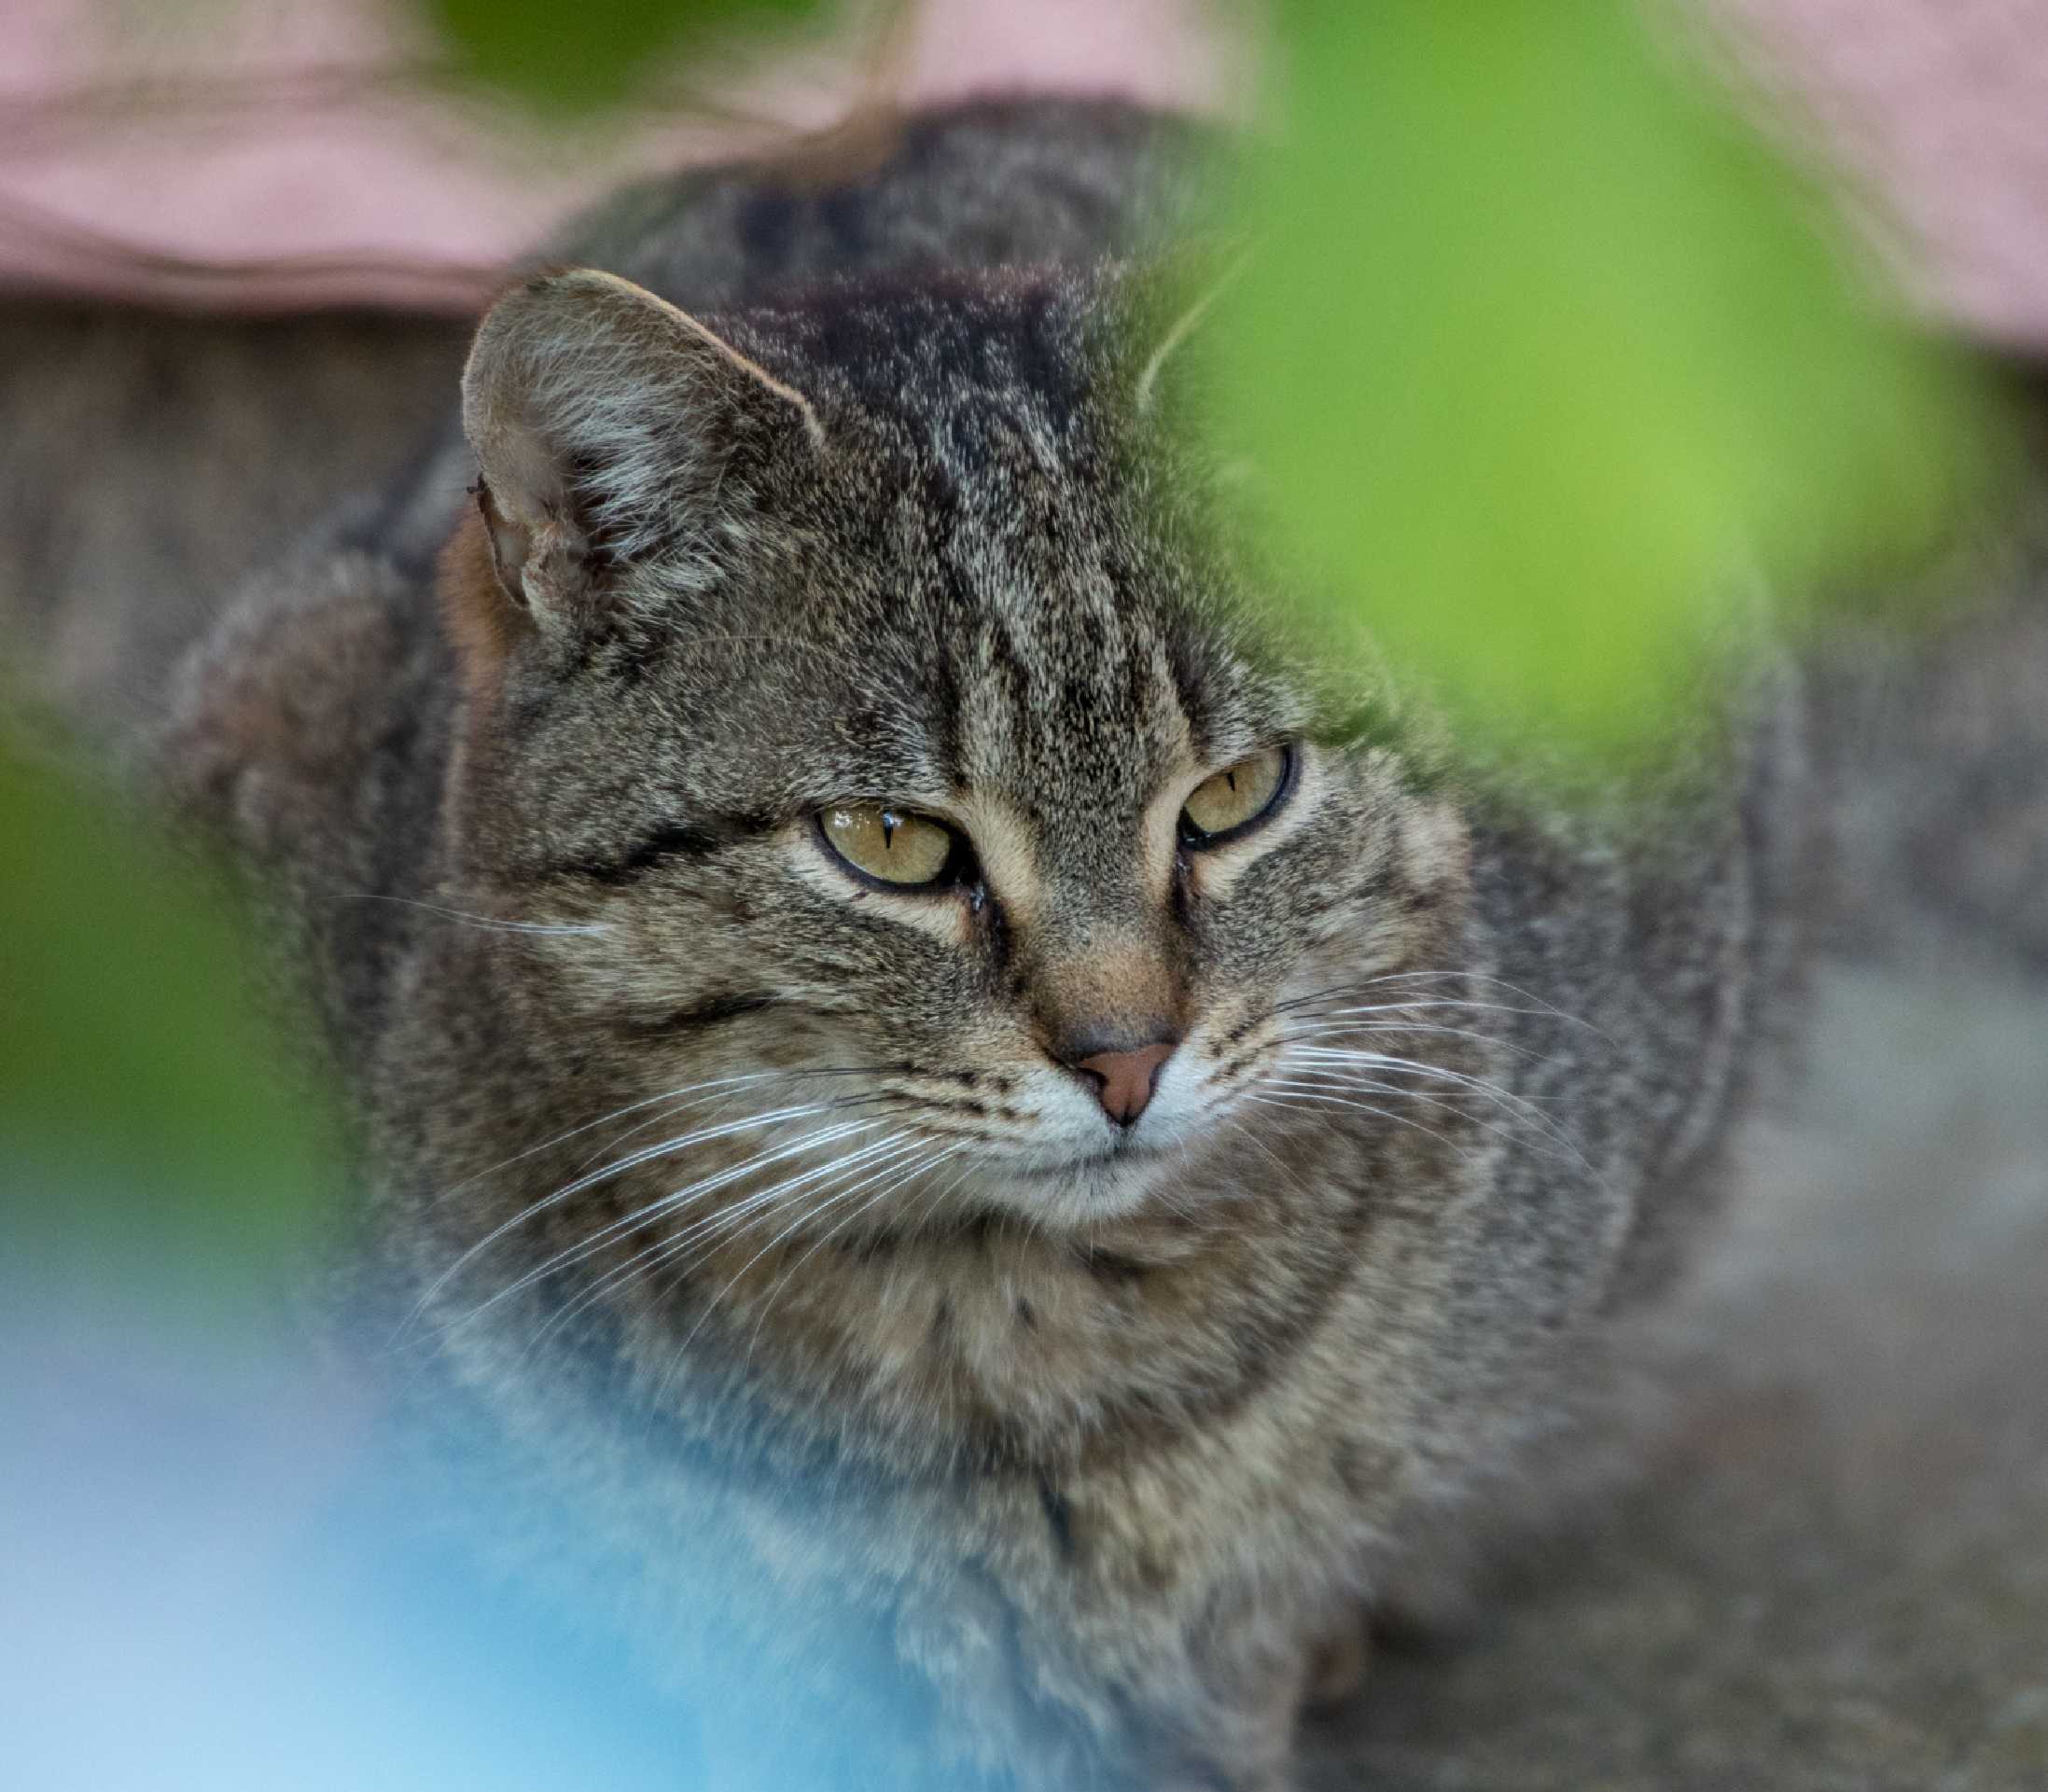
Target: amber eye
point(1236, 797)
point(888, 845)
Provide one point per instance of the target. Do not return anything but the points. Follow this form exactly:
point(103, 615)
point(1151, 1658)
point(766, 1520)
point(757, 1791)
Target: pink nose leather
point(1124, 1079)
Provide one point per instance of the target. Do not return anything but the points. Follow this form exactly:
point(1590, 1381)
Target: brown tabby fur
point(1068, 1449)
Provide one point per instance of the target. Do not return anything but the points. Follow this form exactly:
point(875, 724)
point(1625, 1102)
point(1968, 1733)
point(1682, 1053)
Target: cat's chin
point(1111, 1184)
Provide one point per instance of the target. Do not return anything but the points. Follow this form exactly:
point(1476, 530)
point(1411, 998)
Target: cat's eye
point(888, 845)
point(1237, 798)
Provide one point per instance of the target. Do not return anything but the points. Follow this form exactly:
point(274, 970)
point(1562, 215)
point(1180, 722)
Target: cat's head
point(875, 696)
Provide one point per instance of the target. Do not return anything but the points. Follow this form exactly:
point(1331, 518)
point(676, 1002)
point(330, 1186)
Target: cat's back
point(987, 183)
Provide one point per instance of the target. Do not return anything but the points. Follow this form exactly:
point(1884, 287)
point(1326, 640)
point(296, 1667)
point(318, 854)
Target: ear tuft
point(1170, 304)
point(604, 421)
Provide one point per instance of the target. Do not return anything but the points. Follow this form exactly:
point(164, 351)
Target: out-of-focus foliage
point(569, 59)
point(150, 1144)
point(1548, 363)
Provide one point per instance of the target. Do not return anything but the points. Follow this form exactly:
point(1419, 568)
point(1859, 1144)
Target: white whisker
point(936, 1197)
point(488, 924)
point(801, 1219)
point(722, 1086)
point(1541, 1007)
point(1347, 1028)
point(705, 1233)
point(1279, 1163)
point(1519, 1105)
point(668, 1147)
point(1299, 1099)
point(914, 1145)
point(902, 1176)
point(561, 1138)
point(1329, 1077)
point(702, 1185)
point(419, 1306)
point(619, 1167)
point(731, 1222)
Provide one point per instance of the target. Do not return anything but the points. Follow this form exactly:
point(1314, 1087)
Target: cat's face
point(903, 756)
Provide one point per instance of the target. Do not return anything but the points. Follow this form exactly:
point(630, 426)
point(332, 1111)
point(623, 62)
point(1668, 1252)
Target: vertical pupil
point(889, 826)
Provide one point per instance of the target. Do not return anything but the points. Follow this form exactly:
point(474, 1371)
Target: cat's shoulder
point(292, 727)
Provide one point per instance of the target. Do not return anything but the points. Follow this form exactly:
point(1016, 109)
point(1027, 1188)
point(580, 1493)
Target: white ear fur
point(1181, 328)
point(599, 412)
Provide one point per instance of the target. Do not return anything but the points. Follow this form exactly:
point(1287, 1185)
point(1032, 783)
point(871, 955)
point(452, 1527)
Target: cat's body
point(1098, 1406)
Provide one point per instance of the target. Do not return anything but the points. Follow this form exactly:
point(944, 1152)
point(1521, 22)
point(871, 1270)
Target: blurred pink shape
point(282, 158)
point(1937, 111)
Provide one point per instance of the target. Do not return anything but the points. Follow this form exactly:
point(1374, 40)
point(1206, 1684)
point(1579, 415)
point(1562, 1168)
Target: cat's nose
point(1125, 1081)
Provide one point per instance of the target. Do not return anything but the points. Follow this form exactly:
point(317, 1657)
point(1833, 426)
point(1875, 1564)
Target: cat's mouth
point(1123, 1156)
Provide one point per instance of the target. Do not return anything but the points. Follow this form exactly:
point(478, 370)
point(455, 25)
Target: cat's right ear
point(605, 423)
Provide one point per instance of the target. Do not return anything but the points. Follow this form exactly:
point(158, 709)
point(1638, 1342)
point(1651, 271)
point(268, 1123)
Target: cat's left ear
point(611, 429)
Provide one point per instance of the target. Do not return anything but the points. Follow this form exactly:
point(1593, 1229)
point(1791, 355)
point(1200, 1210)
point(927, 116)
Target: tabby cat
point(981, 1141)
